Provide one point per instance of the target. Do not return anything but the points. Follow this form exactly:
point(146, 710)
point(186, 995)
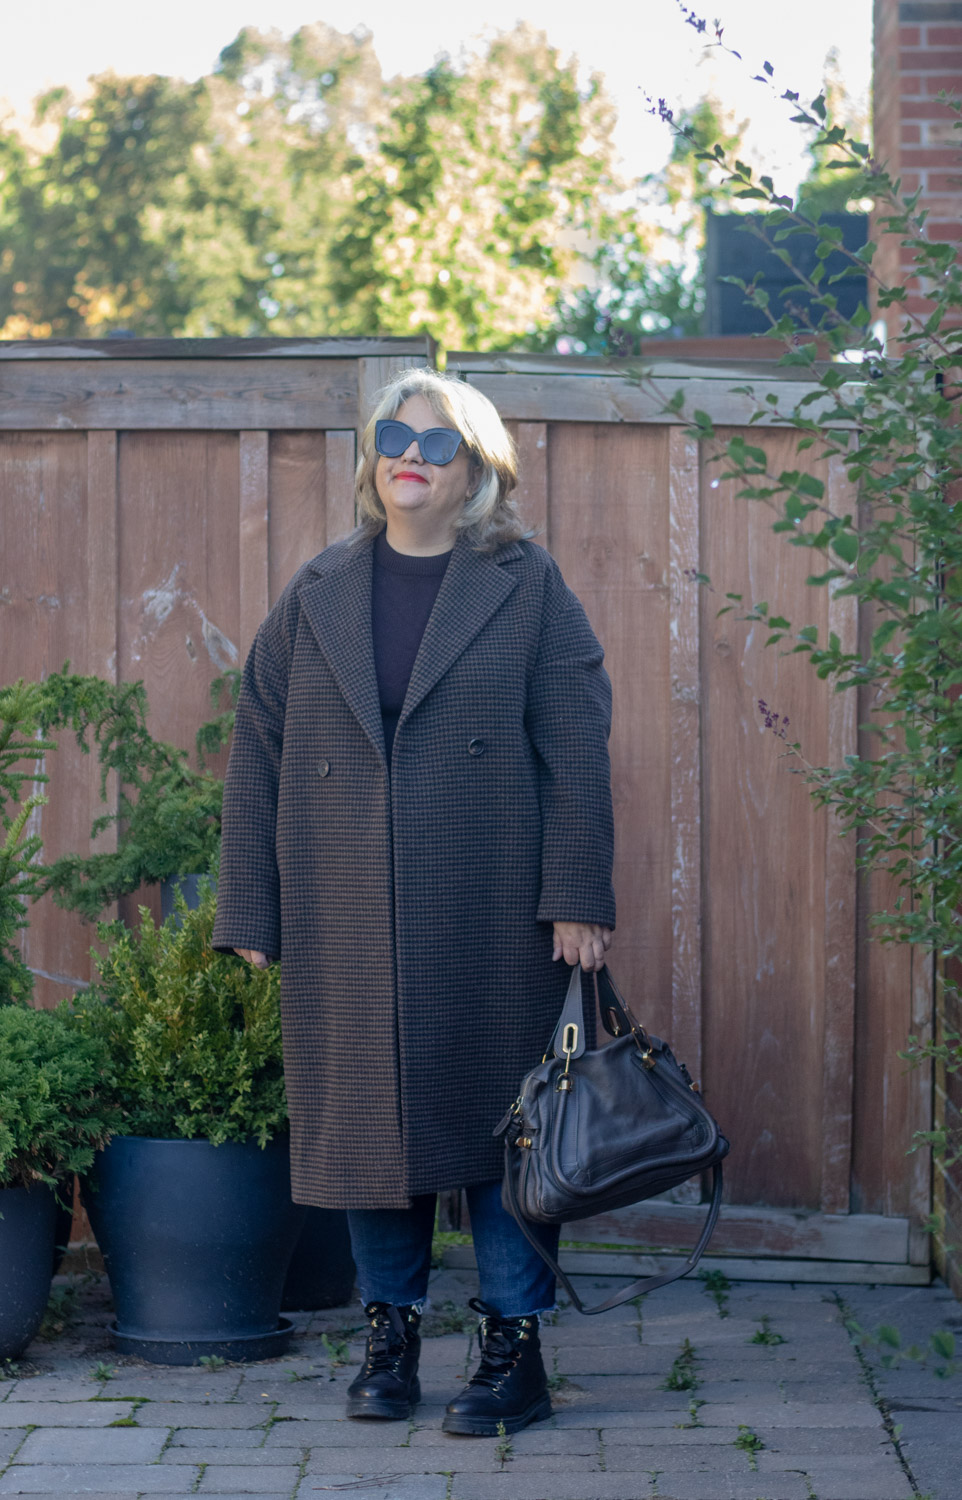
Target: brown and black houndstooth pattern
point(412, 910)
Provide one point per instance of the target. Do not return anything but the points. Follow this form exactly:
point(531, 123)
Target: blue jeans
point(392, 1251)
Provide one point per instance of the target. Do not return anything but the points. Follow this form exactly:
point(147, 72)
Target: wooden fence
point(156, 497)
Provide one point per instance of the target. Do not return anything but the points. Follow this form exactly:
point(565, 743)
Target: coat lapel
point(474, 587)
point(336, 597)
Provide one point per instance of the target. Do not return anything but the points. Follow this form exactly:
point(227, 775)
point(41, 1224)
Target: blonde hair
point(490, 517)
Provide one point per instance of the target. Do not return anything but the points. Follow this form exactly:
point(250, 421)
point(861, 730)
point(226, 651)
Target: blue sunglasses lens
point(438, 445)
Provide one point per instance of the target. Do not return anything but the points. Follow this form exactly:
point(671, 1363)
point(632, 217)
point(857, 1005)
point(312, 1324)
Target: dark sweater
point(402, 597)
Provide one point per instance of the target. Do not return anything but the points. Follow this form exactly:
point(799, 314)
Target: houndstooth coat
point(411, 908)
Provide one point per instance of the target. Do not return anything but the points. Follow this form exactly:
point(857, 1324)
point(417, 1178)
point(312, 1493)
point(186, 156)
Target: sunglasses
point(438, 445)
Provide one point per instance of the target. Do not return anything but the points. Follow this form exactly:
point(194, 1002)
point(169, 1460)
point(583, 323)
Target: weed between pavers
point(503, 1450)
point(212, 1362)
point(750, 1444)
point(694, 1420)
point(717, 1286)
point(682, 1376)
point(765, 1334)
point(337, 1351)
point(102, 1372)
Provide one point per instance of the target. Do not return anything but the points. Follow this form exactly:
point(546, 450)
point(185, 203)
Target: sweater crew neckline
point(391, 561)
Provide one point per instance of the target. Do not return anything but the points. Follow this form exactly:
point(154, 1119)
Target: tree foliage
point(293, 192)
point(647, 267)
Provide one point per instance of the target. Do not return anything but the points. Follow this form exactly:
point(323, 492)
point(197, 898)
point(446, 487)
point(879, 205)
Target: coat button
point(323, 768)
point(476, 746)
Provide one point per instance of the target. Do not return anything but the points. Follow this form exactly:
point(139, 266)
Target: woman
point(417, 819)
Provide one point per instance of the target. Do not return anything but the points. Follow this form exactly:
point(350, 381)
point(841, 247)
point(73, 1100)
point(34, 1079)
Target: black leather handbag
point(597, 1130)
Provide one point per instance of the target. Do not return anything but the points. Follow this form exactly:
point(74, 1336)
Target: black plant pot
point(321, 1272)
point(196, 1241)
point(26, 1263)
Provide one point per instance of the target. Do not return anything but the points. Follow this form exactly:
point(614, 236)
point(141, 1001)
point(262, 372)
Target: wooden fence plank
point(297, 486)
point(685, 749)
point(609, 533)
point(101, 654)
point(586, 398)
point(339, 463)
point(764, 872)
point(254, 453)
point(532, 492)
point(224, 348)
point(838, 1073)
point(201, 394)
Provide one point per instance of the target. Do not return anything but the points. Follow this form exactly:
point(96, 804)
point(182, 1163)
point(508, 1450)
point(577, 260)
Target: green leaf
point(845, 544)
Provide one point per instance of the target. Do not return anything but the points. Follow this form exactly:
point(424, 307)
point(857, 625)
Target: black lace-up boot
point(510, 1387)
point(388, 1385)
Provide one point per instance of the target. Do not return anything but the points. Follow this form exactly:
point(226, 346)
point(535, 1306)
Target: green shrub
point(167, 813)
point(53, 1115)
point(22, 753)
point(194, 1036)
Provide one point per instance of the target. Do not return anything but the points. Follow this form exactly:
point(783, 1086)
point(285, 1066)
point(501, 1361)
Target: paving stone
point(407, 1487)
point(10, 1440)
point(539, 1438)
point(668, 1437)
point(185, 1385)
point(233, 1479)
point(337, 1433)
point(229, 1438)
point(829, 1486)
point(587, 1414)
point(406, 1460)
point(55, 1388)
point(199, 1414)
point(791, 1414)
point(70, 1445)
point(82, 1479)
point(815, 1442)
point(215, 1453)
point(549, 1463)
point(509, 1486)
point(706, 1458)
point(727, 1486)
point(64, 1414)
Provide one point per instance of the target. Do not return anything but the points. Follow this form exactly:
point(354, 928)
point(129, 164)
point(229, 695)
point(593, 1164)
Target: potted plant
point(52, 1118)
point(190, 1202)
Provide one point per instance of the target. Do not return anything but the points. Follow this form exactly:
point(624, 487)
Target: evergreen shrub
point(194, 1036)
point(53, 1111)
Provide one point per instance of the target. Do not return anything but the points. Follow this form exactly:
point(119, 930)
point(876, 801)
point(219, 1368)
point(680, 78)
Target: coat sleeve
point(248, 893)
point(568, 721)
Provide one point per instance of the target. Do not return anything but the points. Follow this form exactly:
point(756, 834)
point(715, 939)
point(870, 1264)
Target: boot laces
point(499, 1340)
point(387, 1339)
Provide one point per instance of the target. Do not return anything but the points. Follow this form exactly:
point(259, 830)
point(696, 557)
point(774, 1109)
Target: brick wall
point(918, 52)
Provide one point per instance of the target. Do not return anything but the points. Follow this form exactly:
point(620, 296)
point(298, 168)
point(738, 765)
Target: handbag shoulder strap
point(643, 1284)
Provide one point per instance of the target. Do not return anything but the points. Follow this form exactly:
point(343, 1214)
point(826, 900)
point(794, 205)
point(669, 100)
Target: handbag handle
point(644, 1283)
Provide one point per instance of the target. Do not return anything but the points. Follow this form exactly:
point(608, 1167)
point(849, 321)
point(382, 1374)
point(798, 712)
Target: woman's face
point(418, 497)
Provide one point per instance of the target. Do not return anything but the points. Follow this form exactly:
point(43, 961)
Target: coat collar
point(336, 597)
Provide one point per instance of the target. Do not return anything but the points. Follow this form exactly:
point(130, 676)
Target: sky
point(642, 48)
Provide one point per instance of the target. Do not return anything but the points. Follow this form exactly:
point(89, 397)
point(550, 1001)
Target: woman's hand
point(259, 960)
point(581, 942)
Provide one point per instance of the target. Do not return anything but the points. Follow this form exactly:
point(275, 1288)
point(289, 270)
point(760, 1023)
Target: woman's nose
point(412, 451)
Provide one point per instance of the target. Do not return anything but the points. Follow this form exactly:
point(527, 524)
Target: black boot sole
point(382, 1408)
point(466, 1426)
